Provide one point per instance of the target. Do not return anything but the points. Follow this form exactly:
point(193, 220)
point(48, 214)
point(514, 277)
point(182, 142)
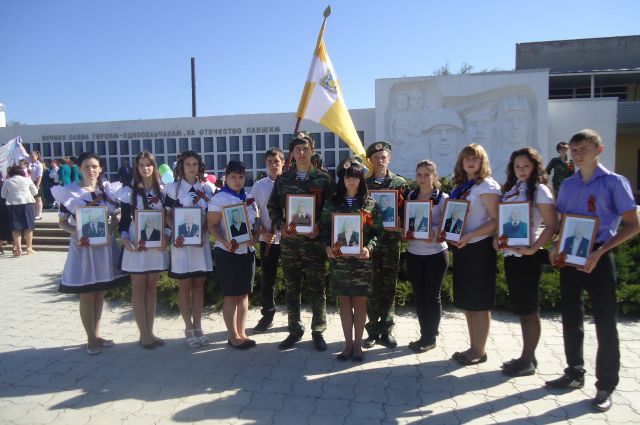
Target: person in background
point(19, 192)
point(125, 173)
point(75, 171)
point(24, 167)
point(54, 180)
point(5, 230)
point(36, 169)
point(561, 166)
point(64, 171)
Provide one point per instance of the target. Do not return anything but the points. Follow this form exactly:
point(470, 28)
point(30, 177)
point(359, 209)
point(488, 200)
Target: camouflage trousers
point(381, 303)
point(301, 255)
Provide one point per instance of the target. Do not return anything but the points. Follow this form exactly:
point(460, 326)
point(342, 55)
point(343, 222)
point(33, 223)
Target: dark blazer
point(238, 232)
point(388, 215)
point(305, 220)
point(354, 240)
point(88, 232)
point(423, 226)
point(456, 228)
point(511, 231)
point(182, 230)
point(155, 236)
point(583, 248)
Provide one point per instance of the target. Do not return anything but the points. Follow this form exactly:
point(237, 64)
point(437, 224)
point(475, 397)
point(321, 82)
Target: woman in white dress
point(190, 264)
point(142, 263)
point(89, 270)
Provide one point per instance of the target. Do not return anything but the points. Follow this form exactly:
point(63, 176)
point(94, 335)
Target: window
point(90, 146)
point(102, 147)
point(317, 140)
point(234, 144)
point(124, 147)
point(274, 140)
point(247, 143)
point(361, 136)
point(248, 179)
point(286, 140)
point(222, 162)
point(261, 143)
point(343, 144)
point(135, 147)
point(221, 144)
point(113, 147)
point(68, 148)
point(329, 140)
point(329, 159)
point(248, 160)
point(209, 162)
point(234, 157)
point(160, 160)
point(78, 147)
point(36, 147)
point(260, 160)
point(344, 155)
point(208, 144)
point(159, 145)
point(46, 149)
point(170, 160)
point(147, 145)
point(27, 146)
point(184, 144)
point(196, 144)
point(113, 165)
point(57, 149)
point(171, 145)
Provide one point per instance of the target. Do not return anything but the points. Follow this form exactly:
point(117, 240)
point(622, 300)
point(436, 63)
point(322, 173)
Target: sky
point(69, 61)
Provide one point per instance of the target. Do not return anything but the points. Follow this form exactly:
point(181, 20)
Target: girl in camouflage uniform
point(351, 276)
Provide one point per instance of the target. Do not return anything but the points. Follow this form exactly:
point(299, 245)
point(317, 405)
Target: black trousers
point(426, 273)
point(601, 286)
point(269, 267)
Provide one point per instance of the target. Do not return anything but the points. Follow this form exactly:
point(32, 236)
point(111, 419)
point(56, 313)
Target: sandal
point(192, 339)
point(105, 343)
point(202, 338)
point(158, 341)
point(94, 350)
point(344, 356)
point(464, 361)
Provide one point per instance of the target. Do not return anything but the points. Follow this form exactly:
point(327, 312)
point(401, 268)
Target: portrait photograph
point(301, 211)
point(417, 219)
point(387, 201)
point(577, 235)
point(454, 219)
point(346, 230)
point(150, 228)
point(187, 222)
point(514, 221)
point(236, 223)
point(92, 223)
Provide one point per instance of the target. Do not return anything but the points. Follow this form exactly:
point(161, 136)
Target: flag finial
point(327, 12)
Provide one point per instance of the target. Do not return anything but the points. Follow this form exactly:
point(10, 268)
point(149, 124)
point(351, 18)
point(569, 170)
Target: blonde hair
point(588, 135)
point(473, 150)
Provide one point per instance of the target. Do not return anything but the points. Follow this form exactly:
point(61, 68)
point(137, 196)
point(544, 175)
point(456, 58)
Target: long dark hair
point(138, 186)
point(354, 170)
point(90, 155)
point(178, 173)
point(538, 175)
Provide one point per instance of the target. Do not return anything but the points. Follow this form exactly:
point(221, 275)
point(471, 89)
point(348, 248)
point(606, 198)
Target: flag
point(10, 153)
point(322, 100)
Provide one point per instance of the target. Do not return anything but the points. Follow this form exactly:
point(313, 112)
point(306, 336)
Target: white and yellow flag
point(322, 100)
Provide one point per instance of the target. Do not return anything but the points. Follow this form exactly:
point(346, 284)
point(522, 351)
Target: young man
point(594, 191)
point(561, 166)
point(386, 258)
point(269, 237)
point(302, 254)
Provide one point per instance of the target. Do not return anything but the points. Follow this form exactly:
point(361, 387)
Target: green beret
point(377, 147)
point(346, 163)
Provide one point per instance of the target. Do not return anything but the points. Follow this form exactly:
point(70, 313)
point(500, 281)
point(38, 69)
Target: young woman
point(144, 265)
point(19, 193)
point(89, 270)
point(526, 181)
point(427, 261)
point(36, 170)
point(235, 263)
point(474, 257)
point(351, 276)
point(190, 264)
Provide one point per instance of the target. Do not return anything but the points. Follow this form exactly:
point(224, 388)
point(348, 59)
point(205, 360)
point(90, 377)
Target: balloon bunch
point(165, 173)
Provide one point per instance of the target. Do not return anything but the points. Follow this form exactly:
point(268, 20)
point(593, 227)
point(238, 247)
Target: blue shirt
point(611, 192)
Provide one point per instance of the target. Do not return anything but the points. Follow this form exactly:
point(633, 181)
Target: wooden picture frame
point(347, 231)
point(236, 223)
point(388, 207)
point(149, 227)
point(301, 210)
point(515, 223)
point(572, 227)
point(419, 211)
point(92, 223)
point(454, 218)
point(187, 222)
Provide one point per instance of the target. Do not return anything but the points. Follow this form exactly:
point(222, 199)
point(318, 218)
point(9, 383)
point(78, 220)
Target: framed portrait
point(514, 219)
point(387, 200)
point(150, 228)
point(236, 223)
point(93, 223)
point(417, 218)
point(301, 210)
point(454, 219)
point(577, 235)
point(346, 230)
point(187, 222)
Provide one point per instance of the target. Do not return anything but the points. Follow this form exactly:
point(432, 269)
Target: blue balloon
point(167, 177)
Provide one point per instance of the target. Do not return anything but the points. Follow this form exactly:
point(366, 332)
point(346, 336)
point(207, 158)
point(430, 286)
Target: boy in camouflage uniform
point(302, 253)
point(386, 258)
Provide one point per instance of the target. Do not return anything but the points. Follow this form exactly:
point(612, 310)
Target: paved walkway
point(47, 377)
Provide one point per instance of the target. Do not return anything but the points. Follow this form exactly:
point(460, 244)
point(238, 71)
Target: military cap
point(377, 147)
point(300, 138)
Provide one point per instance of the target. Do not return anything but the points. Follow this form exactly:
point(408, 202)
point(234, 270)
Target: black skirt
point(234, 272)
point(474, 276)
point(22, 217)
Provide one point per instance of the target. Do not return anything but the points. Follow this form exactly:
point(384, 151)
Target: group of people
point(365, 283)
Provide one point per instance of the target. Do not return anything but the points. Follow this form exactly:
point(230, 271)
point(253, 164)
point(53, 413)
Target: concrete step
point(48, 231)
point(58, 248)
point(50, 240)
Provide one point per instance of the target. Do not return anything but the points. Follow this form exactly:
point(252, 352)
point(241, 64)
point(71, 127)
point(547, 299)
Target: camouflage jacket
point(391, 181)
point(317, 182)
point(372, 231)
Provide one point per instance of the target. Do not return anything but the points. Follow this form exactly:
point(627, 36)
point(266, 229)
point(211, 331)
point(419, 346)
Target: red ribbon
point(200, 195)
point(367, 218)
point(142, 246)
point(84, 242)
point(400, 199)
point(441, 237)
point(570, 166)
point(503, 241)
point(337, 252)
point(409, 235)
point(234, 245)
point(154, 200)
point(591, 204)
point(179, 241)
point(291, 230)
point(560, 260)
point(250, 201)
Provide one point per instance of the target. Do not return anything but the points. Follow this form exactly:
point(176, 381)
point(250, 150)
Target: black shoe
point(421, 346)
point(319, 342)
point(263, 324)
point(602, 401)
point(388, 341)
point(508, 363)
point(566, 381)
point(370, 341)
point(289, 341)
point(519, 367)
point(344, 356)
